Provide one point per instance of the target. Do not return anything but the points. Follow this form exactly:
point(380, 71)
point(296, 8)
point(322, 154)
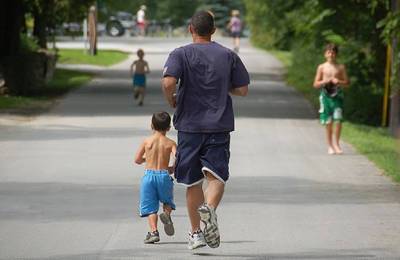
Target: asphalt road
point(69, 190)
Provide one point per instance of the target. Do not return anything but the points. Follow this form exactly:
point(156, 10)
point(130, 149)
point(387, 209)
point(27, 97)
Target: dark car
point(119, 23)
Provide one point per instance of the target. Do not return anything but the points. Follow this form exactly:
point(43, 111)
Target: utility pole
point(394, 123)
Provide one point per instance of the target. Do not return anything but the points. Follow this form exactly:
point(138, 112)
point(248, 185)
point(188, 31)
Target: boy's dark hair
point(203, 23)
point(332, 47)
point(140, 52)
point(161, 121)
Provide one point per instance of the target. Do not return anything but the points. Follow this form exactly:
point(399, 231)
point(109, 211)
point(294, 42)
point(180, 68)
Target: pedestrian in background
point(141, 20)
point(139, 69)
point(235, 27)
point(330, 78)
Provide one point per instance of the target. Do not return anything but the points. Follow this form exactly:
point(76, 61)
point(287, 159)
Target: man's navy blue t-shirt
point(206, 72)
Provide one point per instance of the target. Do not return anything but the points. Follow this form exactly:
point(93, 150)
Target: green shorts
point(331, 108)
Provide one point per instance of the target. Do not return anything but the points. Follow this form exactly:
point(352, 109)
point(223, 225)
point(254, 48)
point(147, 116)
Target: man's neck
point(201, 39)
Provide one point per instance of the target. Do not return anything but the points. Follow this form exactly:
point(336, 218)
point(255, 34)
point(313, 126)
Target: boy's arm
point(132, 66)
point(344, 80)
point(318, 79)
point(139, 159)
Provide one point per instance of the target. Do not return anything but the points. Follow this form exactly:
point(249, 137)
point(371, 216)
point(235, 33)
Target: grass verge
point(80, 56)
point(62, 82)
point(377, 145)
point(373, 142)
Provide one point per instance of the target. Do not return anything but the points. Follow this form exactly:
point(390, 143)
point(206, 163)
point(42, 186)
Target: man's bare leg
point(194, 198)
point(215, 190)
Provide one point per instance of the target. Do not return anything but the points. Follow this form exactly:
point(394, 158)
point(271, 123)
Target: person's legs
point(165, 218)
point(152, 218)
point(336, 145)
point(152, 236)
point(194, 199)
point(214, 191)
point(329, 138)
point(141, 95)
point(237, 43)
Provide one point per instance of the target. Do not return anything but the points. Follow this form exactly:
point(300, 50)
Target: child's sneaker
point(152, 237)
point(168, 225)
point(209, 218)
point(196, 240)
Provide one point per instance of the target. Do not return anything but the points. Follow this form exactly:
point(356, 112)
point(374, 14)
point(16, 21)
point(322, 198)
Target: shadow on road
point(110, 94)
point(57, 201)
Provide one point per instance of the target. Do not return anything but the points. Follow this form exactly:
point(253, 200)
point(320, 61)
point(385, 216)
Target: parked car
point(119, 23)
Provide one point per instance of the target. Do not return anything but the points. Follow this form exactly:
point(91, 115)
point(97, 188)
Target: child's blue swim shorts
point(156, 186)
point(139, 80)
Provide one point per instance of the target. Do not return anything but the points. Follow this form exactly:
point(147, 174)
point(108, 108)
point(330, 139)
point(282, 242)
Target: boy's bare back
point(157, 150)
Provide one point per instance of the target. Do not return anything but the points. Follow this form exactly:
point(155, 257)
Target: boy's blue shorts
point(139, 80)
point(156, 186)
point(200, 152)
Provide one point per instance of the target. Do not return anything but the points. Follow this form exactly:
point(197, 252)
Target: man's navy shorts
point(200, 152)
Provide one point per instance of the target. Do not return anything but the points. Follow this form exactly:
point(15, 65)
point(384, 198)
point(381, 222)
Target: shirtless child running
point(157, 184)
point(330, 78)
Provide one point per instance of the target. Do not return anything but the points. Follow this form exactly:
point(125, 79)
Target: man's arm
point(168, 85)
point(240, 91)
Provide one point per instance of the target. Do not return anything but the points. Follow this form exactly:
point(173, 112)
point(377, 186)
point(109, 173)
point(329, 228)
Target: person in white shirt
point(141, 20)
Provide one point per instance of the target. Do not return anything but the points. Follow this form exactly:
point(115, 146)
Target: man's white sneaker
point(196, 240)
point(209, 218)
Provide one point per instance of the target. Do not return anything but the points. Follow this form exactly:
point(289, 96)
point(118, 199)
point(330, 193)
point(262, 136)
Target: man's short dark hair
point(203, 23)
point(161, 121)
point(332, 47)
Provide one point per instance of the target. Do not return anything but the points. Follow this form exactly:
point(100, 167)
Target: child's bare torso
point(332, 70)
point(158, 149)
point(140, 66)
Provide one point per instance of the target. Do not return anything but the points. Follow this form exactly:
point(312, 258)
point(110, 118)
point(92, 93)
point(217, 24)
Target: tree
point(11, 17)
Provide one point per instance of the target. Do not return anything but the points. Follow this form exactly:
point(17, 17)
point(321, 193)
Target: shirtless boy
point(330, 78)
point(157, 184)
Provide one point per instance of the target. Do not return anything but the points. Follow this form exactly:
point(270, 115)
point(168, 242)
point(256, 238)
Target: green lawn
point(62, 82)
point(377, 145)
point(373, 142)
point(284, 56)
point(80, 56)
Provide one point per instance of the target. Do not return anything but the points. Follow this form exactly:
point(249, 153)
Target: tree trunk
point(39, 27)
point(11, 14)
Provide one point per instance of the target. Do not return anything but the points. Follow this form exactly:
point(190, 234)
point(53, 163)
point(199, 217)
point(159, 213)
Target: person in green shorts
point(330, 78)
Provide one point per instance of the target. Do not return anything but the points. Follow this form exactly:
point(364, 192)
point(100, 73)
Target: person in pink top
point(235, 26)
